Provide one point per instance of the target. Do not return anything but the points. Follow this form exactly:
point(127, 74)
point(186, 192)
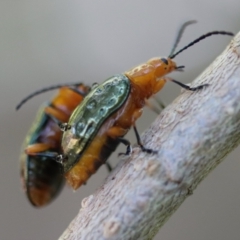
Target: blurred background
point(50, 42)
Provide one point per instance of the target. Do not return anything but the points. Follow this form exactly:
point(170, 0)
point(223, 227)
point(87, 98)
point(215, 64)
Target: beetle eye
point(164, 60)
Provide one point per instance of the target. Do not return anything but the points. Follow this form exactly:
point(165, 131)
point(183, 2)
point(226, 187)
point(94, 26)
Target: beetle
point(106, 114)
point(42, 177)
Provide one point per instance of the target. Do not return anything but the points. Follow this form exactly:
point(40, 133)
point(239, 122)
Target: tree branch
point(193, 135)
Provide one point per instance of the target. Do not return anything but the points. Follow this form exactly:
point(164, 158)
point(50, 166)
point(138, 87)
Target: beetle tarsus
point(198, 87)
point(190, 88)
point(128, 149)
point(147, 150)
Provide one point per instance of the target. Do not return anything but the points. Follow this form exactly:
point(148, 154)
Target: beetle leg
point(108, 166)
point(36, 148)
point(190, 88)
point(159, 102)
point(40, 150)
point(139, 142)
point(126, 143)
point(153, 107)
point(117, 133)
point(54, 115)
point(186, 86)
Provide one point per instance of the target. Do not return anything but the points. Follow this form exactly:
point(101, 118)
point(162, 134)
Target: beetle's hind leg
point(139, 142)
point(41, 150)
point(117, 132)
point(108, 166)
point(157, 109)
point(127, 144)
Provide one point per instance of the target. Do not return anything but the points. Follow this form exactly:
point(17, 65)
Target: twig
point(193, 135)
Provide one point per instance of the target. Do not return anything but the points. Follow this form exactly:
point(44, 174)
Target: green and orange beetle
point(100, 122)
point(107, 113)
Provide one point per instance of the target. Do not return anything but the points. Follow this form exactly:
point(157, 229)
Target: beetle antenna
point(43, 90)
point(199, 39)
point(179, 35)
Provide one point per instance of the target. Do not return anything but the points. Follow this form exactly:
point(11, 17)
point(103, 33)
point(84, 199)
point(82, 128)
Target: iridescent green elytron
point(88, 117)
point(39, 172)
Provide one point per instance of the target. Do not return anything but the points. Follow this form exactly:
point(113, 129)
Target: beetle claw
point(61, 158)
point(64, 127)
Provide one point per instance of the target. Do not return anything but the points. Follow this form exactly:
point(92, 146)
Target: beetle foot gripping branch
point(127, 144)
point(189, 88)
point(139, 142)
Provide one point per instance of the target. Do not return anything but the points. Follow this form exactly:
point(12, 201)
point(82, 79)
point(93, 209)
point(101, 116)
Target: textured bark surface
point(192, 135)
